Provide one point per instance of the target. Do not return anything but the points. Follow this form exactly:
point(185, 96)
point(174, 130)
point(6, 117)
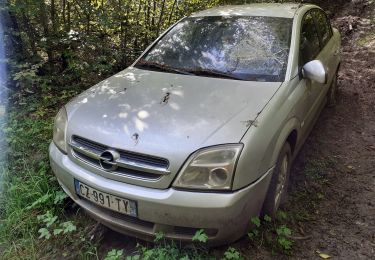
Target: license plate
point(106, 200)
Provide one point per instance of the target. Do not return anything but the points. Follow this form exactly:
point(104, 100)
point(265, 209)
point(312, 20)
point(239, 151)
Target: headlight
point(59, 130)
point(211, 168)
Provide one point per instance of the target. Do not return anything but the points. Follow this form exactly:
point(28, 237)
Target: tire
point(332, 93)
point(278, 187)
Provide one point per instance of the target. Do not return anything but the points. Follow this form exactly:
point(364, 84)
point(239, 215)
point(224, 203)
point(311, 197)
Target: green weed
point(272, 233)
point(200, 236)
point(114, 254)
point(232, 254)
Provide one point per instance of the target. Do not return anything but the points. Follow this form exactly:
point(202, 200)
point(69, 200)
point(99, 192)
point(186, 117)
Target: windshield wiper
point(160, 67)
point(213, 73)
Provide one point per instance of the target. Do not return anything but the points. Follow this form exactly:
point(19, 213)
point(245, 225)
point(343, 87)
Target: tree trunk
point(137, 35)
point(68, 22)
point(147, 21)
point(171, 13)
point(53, 18)
point(64, 13)
point(17, 42)
point(160, 18)
point(44, 22)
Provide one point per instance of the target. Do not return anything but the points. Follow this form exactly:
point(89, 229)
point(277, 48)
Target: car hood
point(166, 115)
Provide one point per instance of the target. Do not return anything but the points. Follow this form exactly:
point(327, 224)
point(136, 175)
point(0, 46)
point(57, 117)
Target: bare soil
point(342, 224)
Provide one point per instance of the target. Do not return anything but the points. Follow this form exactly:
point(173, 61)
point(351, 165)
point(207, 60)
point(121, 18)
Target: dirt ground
point(342, 225)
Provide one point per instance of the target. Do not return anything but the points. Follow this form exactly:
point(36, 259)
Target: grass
point(29, 189)
point(25, 178)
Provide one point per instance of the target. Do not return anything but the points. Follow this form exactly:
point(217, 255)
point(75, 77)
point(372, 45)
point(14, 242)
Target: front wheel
point(277, 190)
point(332, 92)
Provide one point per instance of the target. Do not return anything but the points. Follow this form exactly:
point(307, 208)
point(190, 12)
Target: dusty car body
point(169, 149)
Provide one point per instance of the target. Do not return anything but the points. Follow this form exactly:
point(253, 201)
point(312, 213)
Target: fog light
point(218, 176)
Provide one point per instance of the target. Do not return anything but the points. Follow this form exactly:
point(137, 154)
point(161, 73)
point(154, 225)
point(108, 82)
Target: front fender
point(261, 150)
point(293, 124)
point(264, 139)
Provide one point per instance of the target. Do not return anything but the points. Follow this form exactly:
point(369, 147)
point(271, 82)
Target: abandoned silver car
point(200, 132)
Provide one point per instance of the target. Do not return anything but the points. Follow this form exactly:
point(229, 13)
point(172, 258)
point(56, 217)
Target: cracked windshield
point(244, 48)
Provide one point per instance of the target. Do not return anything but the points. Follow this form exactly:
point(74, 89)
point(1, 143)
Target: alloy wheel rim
point(281, 181)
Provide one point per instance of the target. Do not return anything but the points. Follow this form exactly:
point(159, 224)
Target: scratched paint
point(165, 99)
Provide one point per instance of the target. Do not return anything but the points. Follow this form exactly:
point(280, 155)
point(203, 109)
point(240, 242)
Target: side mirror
point(315, 71)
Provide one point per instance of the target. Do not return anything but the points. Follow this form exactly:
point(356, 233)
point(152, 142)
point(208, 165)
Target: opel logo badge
point(108, 160)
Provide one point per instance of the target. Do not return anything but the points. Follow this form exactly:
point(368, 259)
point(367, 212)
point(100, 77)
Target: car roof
point(270, 9)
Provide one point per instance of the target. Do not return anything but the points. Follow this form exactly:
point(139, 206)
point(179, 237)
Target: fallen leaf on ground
point(350, 167)
point(323, 255)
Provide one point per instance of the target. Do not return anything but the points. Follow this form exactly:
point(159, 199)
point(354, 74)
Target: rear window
point(248, 48)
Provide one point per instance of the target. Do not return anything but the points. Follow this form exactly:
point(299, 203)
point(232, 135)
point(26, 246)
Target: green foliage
point(267, 218)
point(42, 200)
point(44, 233)
point(269, 232)
point(159, 236)
point(254, 233)
point(283, 234)
point(114, 254)
point(48, 219)
point(232, 254)
point(51, 222)
point(59, 197)
point(68, 227)
point(200, 236)
point(168, 251)
point(256, 221)
point(86, 41)
point(27, 74)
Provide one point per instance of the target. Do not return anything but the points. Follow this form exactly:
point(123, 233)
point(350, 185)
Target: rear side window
point(324, 26)
point(309, 42)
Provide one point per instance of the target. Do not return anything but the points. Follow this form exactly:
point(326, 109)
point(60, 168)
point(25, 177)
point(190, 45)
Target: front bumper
point(178, 214)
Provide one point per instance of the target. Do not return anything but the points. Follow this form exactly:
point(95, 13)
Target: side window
point(324, 25)
point(309, 42)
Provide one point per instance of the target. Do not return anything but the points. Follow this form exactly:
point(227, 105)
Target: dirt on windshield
point(342, 223)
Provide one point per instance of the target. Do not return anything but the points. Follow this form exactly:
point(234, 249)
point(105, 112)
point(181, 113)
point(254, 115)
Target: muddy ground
point(342, 224)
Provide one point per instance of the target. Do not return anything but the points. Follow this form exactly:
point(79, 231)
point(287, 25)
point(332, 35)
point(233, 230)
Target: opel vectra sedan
point(200, 132)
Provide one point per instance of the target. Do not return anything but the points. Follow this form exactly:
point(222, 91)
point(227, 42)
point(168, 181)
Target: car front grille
point(129, 163)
